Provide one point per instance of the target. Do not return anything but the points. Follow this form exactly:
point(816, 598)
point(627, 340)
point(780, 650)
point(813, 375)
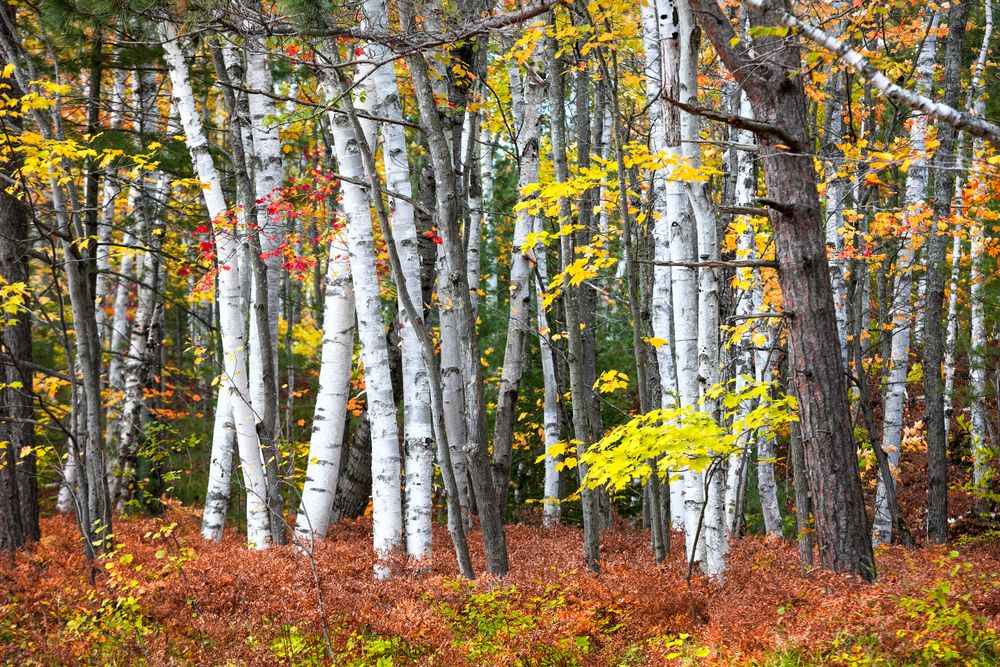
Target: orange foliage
point(207, 607)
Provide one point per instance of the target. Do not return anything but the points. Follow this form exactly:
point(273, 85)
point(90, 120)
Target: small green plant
point(946, 631)
point(114, 626)
point(293, 647)
point(679, 647)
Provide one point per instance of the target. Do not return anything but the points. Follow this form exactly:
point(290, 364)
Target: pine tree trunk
point(778, 99)
point(18, 481)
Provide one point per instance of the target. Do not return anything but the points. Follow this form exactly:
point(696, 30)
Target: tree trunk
point(529, 88)
point(944, 192)
point(387, 519)
point(234, 377)
point(778, 100)
point(336, 360)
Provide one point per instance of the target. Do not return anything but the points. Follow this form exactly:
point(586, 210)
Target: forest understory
point(164, 596)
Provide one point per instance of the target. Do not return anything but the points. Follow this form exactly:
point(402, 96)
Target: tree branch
point(734, 264)
point(742, 122)
point(960, 120)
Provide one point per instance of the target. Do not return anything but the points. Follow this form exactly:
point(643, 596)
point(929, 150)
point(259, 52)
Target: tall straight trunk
point(982, 450)
point(748, 281)
point(944, 192)
point(668, 200)
point(902, 309)
point(714, 529)
point(139, 359)
point(837, 187)
point(974, 102)
point(380, 94)
point(329, 416)
point(530, 90)
point(487, 221)
point(453, 389)
point(229, 69)
point(18, 469)
point(550, 397)
point(579, 392)
point(684, 279)
point(448, 216)
point(803, 504)
point(267, 166)
point(427, 346)
point(105, 224)
point(234, 376)
point(387, 519)
point(778, 100)
point(220, 468)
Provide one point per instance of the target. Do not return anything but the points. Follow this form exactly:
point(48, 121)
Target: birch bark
point(230, 304)
point(902, 309)
point(387, 519)
point(329, 416)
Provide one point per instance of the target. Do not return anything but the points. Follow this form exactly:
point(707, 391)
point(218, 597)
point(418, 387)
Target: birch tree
point(902, 309)
point(387, 519)
point(229, 298)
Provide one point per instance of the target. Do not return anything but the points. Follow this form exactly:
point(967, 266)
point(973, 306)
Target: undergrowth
point(165, 597)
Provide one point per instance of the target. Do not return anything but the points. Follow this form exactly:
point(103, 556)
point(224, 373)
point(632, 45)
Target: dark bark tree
point(18, 483)
point(769, 75)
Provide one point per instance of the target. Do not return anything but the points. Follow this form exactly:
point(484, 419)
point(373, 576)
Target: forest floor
point(165, 597)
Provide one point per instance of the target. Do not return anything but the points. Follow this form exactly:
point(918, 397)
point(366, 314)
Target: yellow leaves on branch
point(611, 381)
point(13, 297)
point(683, 439)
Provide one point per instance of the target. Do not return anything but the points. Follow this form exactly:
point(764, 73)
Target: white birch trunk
point(230, 305)
point(267, 167)
point(529, 90)
point(380, 96)
point(743, 195)
point(387, 518)
point(105, 224)
point(550, 398)
point(978, 105)
point(453, 389)
point(486, 223)
point(220, 466)
point(337, 358)
point(674, 298)
point(982, 452)
point(902, 310)
point(714, 529)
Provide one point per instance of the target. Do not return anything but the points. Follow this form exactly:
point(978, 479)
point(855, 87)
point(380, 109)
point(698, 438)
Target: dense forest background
point(557, 333)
